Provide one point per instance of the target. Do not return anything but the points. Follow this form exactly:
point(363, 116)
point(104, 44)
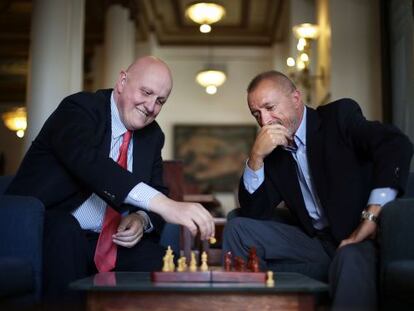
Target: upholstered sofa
point(396, 238)
point(21, 230)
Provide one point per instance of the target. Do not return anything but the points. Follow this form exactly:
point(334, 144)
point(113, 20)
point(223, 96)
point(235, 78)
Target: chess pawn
point(239, 264)
point(227, 261)
point(253, 262)
point(255, 265)
point(184, 262)
point(270, 282)
point(193, 263)
point(204, 266)
point(181, 264)
point(166, 266)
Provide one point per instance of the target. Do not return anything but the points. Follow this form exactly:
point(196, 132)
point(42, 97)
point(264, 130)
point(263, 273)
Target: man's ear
point(120, 83)
point(297, 96)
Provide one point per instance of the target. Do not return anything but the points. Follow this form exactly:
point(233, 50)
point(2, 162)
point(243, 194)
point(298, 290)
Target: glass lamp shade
point(205, 12)
point(16, 120)
point(306, 30)
point(211, 77)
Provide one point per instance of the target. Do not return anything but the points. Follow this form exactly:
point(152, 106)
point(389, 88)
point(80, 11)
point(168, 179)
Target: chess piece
point(239, 264)
point(255, 265)
point(212, 240)
point(170, 259)
point(193, 263)
point(181, 264)
point(270, 282)
point(253, 260)
point(184, 260)
point(204, 266)
point(166, 265)
point(227, 261)
point(171, 263)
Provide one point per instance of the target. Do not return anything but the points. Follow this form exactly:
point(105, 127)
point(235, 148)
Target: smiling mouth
point(143, 112)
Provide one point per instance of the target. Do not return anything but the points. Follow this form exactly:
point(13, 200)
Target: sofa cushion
point(16, 276)
point(400, 277)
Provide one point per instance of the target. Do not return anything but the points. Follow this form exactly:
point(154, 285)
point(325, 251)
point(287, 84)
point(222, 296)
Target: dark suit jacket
point(348, 157)
point(69, 159)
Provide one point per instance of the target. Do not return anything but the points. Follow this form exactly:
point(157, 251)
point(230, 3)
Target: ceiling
point(246, 23)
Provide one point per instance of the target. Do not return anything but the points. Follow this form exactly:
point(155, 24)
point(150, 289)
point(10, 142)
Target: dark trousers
point(69, 251)
point(352, 268)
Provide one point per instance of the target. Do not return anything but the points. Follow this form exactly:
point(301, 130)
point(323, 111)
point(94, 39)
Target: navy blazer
point(69, 159)
point(348, 157)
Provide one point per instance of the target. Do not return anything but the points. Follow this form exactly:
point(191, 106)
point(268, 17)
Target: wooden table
point(126, 291)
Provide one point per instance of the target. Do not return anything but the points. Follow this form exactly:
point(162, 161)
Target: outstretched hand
point(191, 215)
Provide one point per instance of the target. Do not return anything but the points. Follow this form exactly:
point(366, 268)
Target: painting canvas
point(214, 155)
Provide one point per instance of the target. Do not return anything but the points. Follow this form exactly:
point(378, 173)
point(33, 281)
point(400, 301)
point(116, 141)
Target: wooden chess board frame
point(210, 276)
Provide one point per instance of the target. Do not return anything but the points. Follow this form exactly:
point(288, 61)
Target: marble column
point(119, 46)
point(56, 58)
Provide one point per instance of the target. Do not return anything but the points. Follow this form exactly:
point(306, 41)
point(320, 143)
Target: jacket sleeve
point(384, 145)
point(72, 133)
point(158, 183)
point(259, 204)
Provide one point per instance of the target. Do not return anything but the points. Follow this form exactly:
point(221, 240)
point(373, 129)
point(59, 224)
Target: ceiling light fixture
point(211, 78)
point(205, 14)
point(16, 120)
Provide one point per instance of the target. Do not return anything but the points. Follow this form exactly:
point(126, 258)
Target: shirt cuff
point(382, 196)
point(141, 195)
point(252, 179)
point(148, 226)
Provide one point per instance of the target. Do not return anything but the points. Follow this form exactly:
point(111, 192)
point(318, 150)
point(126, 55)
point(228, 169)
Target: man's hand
point(366, 230)
point(130, 230)
point(191, 215)
point(268, 138)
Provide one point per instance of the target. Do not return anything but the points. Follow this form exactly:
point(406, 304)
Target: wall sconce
point(211, 78)
point(16, 120)
point(205, 14)
point(299, 68)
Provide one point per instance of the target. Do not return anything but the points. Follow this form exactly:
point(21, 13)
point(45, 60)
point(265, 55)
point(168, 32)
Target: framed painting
point(214, 155)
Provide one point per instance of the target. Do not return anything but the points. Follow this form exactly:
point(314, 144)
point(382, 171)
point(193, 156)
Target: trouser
point(68, 255)
point(352, 268)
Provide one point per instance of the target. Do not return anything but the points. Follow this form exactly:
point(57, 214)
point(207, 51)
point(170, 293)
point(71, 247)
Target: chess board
point(212, 276)
point(234, 271)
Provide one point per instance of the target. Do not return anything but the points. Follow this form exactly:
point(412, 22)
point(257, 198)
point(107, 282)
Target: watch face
point(369, 216)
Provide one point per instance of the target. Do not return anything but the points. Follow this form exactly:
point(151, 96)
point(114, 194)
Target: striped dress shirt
point(90, 214)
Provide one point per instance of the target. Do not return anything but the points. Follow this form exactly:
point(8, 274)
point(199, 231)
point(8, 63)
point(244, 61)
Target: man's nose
point(265, 119)
point(150, 104)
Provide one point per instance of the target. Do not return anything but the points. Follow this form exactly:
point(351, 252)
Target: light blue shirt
point(90, 214)
point(253, 179)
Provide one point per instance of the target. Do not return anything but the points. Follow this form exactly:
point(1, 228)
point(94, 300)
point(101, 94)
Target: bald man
point(72, 168)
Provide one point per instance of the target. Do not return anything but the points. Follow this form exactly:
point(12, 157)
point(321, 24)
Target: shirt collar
point(117, 127)
point(300, 135)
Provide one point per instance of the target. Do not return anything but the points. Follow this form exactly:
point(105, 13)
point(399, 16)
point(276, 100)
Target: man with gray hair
point(334, 170)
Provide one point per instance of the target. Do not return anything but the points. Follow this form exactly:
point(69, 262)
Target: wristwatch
point(369, 216)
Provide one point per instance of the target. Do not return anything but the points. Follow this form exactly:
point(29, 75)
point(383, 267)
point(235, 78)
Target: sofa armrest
point(397, 230)
point(21, 231)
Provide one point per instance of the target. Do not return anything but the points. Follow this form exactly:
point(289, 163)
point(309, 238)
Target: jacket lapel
point(142, 141)
point(315, 154)
point(104, 106)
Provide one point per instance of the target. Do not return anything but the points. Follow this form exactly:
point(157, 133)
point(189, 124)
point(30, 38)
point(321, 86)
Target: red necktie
point(105, 253)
